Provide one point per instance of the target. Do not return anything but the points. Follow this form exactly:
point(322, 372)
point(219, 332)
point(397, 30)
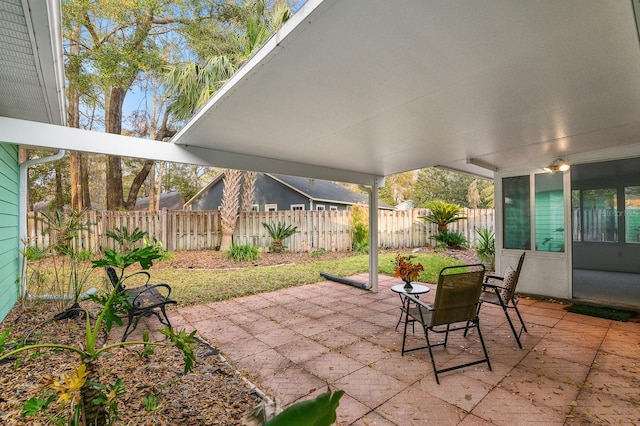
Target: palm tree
point(442, 214)
point(192, 85)
point(248, 190)
point(229, 206)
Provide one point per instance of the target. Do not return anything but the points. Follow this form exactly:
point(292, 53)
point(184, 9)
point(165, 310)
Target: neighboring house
point(405, 205)
point(279, 192)
point(171, 200)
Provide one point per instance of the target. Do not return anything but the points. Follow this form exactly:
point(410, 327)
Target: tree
point(118, 43)
point(398, 188)
point(248, 190)
point(473, 196)
point(442, 213)
point(229, 206)
point(434, 183)
point(191, 85)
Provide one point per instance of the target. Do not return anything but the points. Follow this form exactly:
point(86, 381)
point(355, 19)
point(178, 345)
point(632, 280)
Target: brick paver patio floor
point(294, 343)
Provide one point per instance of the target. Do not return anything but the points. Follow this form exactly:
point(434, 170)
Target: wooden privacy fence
point(330, 230)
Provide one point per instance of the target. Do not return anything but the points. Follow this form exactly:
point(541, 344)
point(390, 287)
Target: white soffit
point(31, 61)
point(381, 87)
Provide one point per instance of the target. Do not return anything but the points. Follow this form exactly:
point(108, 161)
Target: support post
point(378, 182)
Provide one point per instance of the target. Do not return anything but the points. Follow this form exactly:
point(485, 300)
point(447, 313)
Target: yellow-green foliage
point(360, 224)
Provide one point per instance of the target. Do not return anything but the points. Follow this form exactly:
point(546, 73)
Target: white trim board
point(41, 135)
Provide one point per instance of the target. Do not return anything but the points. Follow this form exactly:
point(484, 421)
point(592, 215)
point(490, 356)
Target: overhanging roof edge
point(269, 46)
point(30, 133)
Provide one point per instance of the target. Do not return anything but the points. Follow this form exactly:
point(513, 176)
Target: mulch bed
point(213, 394)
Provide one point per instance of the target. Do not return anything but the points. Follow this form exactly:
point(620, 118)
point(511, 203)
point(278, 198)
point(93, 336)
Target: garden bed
point(214, 393)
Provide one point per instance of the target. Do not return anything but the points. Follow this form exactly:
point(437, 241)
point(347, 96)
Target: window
point(632, 214)
point(297, 206)
point(320, 207)
point(595, 215)
point(517, 214)
point(333, 207)
point(549, 212)
point(270, 207)
point(255, 207)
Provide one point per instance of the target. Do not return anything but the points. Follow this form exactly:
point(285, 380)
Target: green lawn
point(202, 286)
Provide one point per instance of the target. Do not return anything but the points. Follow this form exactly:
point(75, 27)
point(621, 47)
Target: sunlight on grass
point(202, 286)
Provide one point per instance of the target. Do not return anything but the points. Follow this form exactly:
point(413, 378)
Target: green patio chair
point(455, 308)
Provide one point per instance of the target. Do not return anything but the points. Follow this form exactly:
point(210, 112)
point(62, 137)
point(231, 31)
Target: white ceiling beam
point(42, 135)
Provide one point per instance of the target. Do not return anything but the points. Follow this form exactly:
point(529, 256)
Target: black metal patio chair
point(505, 295)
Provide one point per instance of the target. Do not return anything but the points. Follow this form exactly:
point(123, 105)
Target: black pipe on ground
point(341, 280)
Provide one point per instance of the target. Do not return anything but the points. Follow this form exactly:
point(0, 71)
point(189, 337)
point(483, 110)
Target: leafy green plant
point(164, 254)
point(243, 253)
point(442, 213)
point(71, 265)
point(91, 402)
point(320, 411)
point(125, 238)
point(360, 224)
point(450, 239)
point(316, 254)
point(486, 245)
point(150, 403)
point(278, 233)
point(63, 228)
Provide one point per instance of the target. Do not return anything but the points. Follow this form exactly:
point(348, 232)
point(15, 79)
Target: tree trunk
point(113, 124)
point(159, 185)
point(137, 184)
point(229, 206)
point(86, 194)
point(248, 189)
point(93, 414)
point(76, 164)
point(152, 190)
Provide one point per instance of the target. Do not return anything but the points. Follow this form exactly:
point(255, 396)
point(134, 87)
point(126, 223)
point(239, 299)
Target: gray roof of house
point(168, 200)
point(324, 190)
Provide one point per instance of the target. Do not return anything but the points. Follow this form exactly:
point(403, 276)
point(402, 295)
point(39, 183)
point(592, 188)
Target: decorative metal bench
point(145, 300)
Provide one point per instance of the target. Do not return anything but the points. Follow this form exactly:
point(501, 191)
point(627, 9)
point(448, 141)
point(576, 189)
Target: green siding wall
point(9, 176)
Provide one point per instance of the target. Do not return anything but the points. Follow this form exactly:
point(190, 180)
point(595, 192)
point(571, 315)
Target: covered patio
point(294, 343)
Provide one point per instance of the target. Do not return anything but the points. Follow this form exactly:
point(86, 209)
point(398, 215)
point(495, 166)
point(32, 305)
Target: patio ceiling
point(31, 68)
point(379, 87)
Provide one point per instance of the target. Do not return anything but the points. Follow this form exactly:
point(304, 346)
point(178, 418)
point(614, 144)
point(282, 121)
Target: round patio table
point(416, 291)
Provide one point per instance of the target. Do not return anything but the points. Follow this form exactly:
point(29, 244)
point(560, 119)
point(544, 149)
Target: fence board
point(318, 229)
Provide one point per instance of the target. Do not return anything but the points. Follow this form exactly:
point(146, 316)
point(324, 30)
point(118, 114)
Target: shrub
point(360, 223)
point(318, 253)
point(442, 214)
point(450, 239)
point(486, 246)
point(243, 253)
point(278, 233)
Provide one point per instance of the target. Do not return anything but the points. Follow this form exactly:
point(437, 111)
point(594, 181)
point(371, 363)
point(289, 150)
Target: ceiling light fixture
point(557, 165)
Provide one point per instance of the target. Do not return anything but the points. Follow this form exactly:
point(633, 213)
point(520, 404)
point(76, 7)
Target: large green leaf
point(316, 412)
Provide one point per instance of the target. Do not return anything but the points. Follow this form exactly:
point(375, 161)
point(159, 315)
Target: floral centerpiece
point(406, 270)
